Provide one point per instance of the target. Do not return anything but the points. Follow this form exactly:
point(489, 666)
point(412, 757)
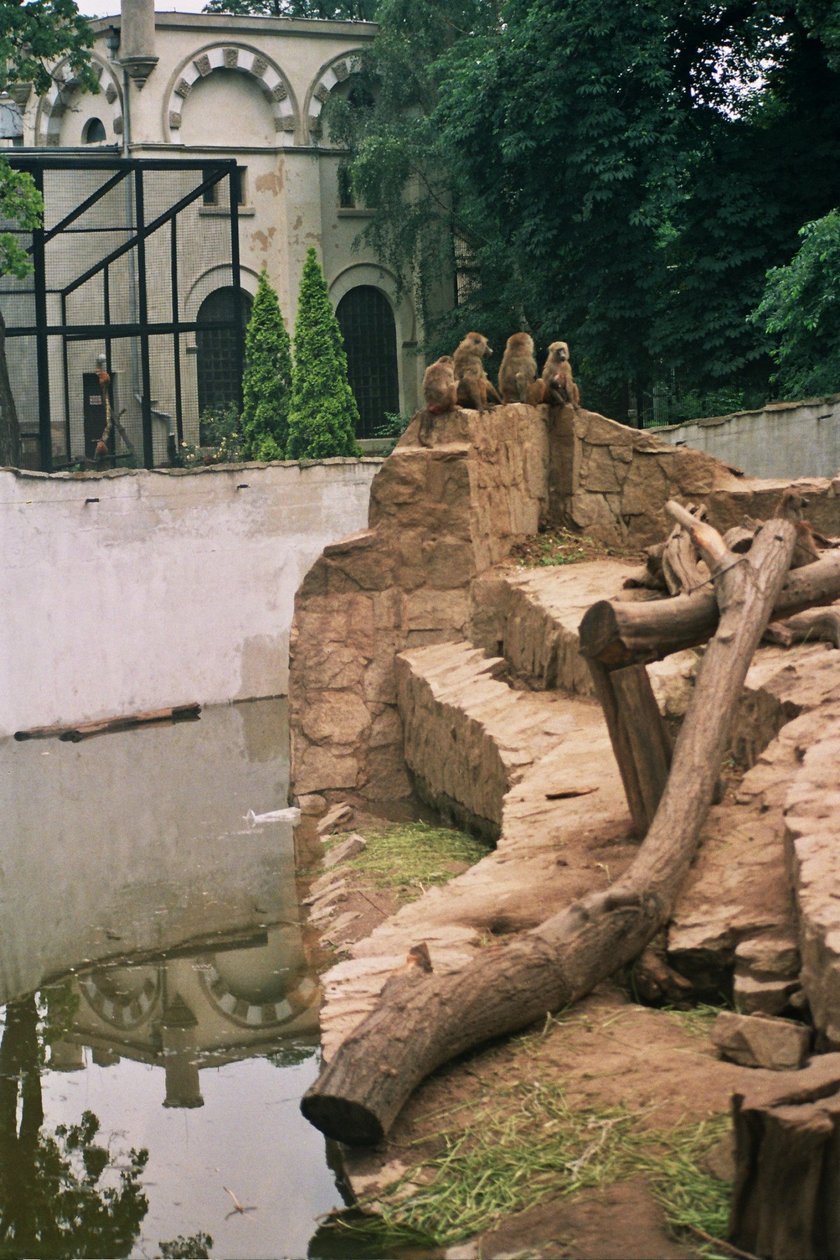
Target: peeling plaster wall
point(135, 590)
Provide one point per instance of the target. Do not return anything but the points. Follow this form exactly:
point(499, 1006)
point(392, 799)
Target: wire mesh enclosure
point(131, 322)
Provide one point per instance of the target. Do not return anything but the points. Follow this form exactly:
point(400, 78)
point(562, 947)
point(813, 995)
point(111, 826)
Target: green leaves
point(323, 415)
point(35, 34)
point(800, 311)
point(267, 380)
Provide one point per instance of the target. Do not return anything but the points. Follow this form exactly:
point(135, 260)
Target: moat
point(161, 1014)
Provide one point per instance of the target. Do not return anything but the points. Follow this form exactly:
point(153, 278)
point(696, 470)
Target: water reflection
point(161, 1017)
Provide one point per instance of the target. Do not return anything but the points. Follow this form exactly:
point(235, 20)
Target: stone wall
point(612, 482)
point(439, 515)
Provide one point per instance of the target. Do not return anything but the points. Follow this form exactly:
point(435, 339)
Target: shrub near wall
point(267, 380)
point(323, 415)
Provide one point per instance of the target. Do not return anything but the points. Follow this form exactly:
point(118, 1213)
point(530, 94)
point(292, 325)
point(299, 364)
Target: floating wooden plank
point(84, 730)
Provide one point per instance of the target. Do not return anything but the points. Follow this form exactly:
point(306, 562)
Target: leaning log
point(624, 633)
point(422, 1020)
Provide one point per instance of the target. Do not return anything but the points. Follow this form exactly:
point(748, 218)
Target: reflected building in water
point(187, 1013)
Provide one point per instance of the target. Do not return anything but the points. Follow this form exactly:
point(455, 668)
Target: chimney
point(137, 40)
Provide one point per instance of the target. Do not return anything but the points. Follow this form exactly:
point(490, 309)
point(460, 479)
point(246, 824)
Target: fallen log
point(77, 731)
point(624, 633)
point(814, 625)
point(422, 1020)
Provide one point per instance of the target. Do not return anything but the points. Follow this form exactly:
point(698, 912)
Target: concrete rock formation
point(420, 662)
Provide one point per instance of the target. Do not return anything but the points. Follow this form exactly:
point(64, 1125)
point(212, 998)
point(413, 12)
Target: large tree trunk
point(9, 427)
point(422, 1020)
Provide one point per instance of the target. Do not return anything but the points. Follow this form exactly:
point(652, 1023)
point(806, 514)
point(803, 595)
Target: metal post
point(41, 337)
point(143, 320)
point(233, 184)
point(179, 414)
point(68, 437)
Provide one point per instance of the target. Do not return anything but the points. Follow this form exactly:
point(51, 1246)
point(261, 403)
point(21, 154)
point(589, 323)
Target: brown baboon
point(557, 385)
point(439, 388)
point(473, 386)
point(518, 368)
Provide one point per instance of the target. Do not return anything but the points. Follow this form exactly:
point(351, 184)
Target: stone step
point(531, 617)
point(469, 736)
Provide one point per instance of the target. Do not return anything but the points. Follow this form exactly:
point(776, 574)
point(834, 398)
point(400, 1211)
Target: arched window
point(370, 339)
point(93, 131)
point(220, 348)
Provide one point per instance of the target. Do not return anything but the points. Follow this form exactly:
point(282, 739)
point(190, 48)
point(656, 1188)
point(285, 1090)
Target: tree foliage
point(800, 311)
point(267, 380)
point(337, 11)
point(323, 415)
point(35, 34)
point(60, 1195)
point(621, 176)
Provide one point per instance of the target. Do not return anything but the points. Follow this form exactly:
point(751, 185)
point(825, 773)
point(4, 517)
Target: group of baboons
point(460, 380)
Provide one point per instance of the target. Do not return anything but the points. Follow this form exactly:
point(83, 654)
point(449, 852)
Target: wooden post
point(621, 746)
point(647, 735)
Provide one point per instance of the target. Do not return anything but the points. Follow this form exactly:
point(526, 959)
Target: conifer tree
point(323, 415)
point(267, 380)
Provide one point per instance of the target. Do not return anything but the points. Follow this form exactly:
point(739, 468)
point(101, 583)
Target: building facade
point(206, 87)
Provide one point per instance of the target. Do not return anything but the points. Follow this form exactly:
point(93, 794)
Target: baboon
point(557, 384)
point(439, 388)
point(518, 369)
point(473, 386)
point(792, 506)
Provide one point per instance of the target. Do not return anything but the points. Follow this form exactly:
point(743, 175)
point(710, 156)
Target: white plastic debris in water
point(291, 815)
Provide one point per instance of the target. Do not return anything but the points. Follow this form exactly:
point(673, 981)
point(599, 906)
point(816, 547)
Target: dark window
point(346, 199)
point(93, 131)
point(220, 349)
point(370, 339)
point(218, 195)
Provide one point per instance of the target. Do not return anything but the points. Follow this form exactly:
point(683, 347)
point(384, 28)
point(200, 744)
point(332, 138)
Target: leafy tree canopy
point(618, 175)
point(37, 33)
point(323, 415)
point(800, 311)
point(337, 11)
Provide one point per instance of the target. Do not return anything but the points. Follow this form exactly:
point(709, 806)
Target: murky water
point(160, 1015)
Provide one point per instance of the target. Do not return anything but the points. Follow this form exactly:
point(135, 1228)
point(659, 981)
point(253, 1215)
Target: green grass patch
point(528, 1144)
point(695, 1020)
point(410, 857)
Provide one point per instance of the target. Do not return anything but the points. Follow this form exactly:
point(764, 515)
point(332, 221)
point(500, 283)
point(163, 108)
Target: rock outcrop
point(419, 662)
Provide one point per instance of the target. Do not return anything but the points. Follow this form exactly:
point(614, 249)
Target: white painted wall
point(134, 590)
point(789, 439)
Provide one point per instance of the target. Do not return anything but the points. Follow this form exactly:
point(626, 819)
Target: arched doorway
point(220, 355)
point(370, 339)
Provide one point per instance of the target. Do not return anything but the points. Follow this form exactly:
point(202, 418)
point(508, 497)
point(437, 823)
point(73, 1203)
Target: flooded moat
point(160, 1013)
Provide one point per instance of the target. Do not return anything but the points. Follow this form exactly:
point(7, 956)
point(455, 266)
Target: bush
point(323, 415)
point(267, 380)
